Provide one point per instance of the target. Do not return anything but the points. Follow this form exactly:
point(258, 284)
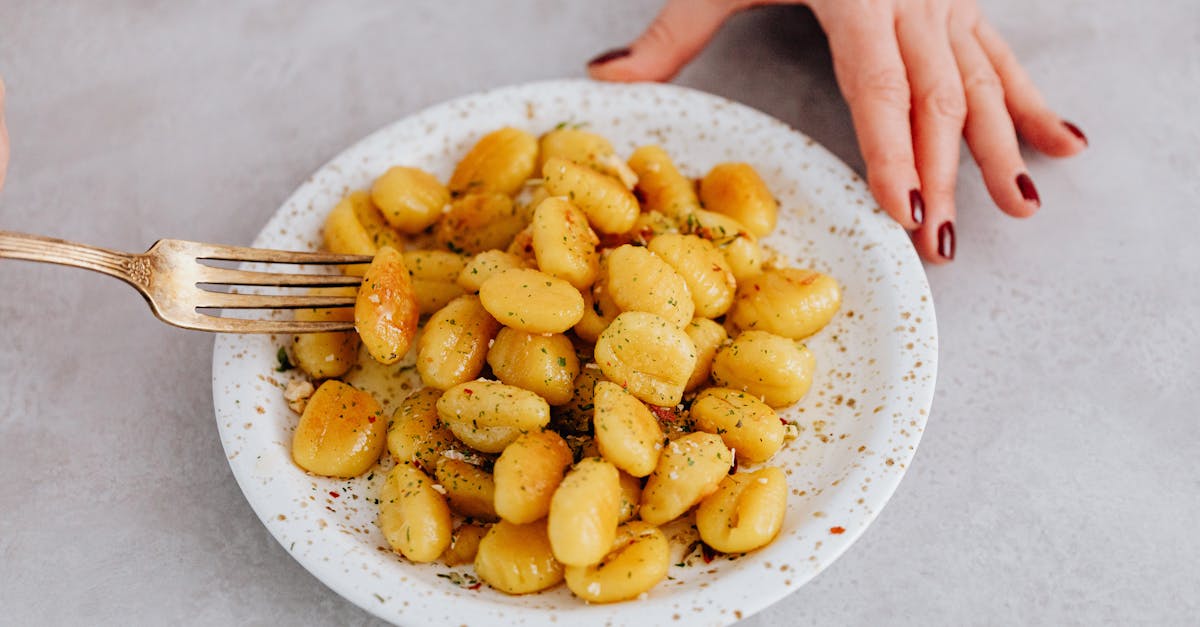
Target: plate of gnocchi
point(625, 354)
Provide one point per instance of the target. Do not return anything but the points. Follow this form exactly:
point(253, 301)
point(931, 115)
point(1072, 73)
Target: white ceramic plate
point(876, 364)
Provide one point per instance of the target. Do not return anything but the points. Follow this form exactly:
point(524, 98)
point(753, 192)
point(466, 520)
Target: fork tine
point(218, 252)
point(227, 276)
point(223, 300)
point(205, 322)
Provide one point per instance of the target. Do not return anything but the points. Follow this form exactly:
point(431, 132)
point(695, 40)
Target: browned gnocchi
point(386, 310)
point(454, 345)
point(597, 350)
point(342, 432)
point(413, 515)
point(415, 433)
point(544, 363)
point(410, 199)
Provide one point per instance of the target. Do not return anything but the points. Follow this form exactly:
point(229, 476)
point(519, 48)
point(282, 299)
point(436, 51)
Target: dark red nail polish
point(1076, 132)
point(946, 240)
point(611, 55)
point(918, 206)
point(1028, 191)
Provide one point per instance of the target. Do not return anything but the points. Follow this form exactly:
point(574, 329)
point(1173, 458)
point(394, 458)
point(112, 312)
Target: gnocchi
point(385, 310)
point(665, 190)
point(563, 243)
point(344, 234)
point(341, 433)
point(640, 338)
point(413, 516)
point(736, 242)
point(637, 560)
point(454, 345)
point(746, 424)
point(517, 559)
point(707, 336)
point(745, 513)
point(484, 266)
point(479, 222)
point(464, 544)
point(415, 433)
point(774, 368)
point(532, 301)
point(702, 267)
point(787, 301)
point(736, 190)
point(434, 277)
point(649, 356)
point(608, 205)
point(584, 148)
point(690, 468)
point(584, 511)
point(627, 433)
point(528, 473)
point(541, 363)
point(499, 162)
point(325, 355)
point(469, 490)
point(410, 199)
point(355, 227)
point(488, 416)
point(639, 280)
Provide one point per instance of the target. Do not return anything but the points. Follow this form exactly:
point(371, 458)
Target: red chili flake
point(783, 421)
point(664, 413)
point(371, 419)
point(707, 553)
point(468, 391)
point(334, 494)
point(475, 586)
point(837, 530)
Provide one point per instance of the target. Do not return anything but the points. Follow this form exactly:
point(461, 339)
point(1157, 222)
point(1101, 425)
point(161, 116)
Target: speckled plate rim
point(833, 517)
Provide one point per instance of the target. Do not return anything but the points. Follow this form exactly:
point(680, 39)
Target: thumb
point(675, 37)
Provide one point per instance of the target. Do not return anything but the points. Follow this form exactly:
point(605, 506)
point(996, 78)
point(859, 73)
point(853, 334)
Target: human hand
point(917, 74)
point(3, 138)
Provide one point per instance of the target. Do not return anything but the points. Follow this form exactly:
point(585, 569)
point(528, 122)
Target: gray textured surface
point(1056, 483)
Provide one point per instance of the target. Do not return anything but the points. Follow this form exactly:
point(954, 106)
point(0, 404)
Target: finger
point(870, 72)
point(675, 37)
point(939, 112)
point(3, 138)
point(989, 128)
point(1035, 121)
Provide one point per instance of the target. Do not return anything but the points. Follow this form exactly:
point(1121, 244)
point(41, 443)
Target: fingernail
point(918, 206)
point(946, 240)
point(1028, 191)
point(1076, 132)
point(611, 55)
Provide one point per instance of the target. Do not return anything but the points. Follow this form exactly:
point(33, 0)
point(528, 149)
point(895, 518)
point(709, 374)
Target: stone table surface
point(1057, 482)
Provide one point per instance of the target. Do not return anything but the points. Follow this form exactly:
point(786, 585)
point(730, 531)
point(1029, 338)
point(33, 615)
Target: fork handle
point(51, 250)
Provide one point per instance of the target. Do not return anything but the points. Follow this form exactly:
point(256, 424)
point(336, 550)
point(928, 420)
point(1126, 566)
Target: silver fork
point(177, 286)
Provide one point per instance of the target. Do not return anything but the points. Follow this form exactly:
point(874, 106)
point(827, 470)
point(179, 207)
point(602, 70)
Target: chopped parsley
point(285, 363)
